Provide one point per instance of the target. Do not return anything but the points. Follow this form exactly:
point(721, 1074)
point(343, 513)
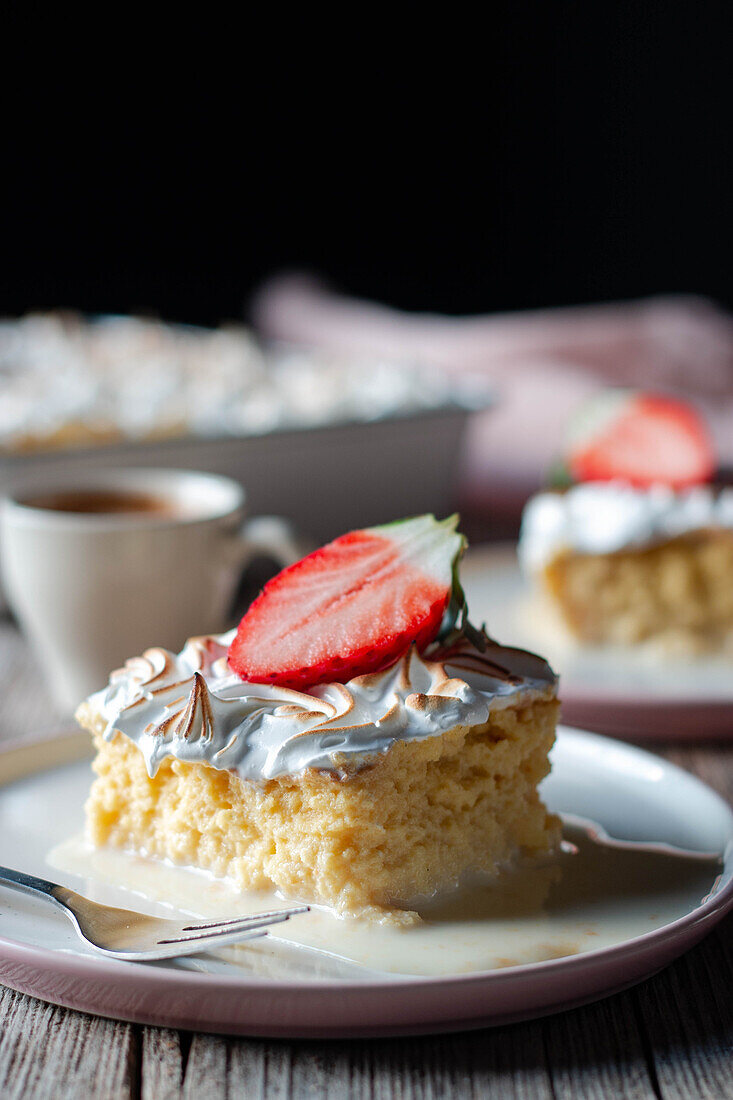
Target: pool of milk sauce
point(592, 893)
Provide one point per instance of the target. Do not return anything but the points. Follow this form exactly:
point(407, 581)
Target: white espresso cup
point(100, 566)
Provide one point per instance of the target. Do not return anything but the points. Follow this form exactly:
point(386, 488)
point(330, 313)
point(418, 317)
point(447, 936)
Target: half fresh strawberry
point(352, 607)
point(641, 438)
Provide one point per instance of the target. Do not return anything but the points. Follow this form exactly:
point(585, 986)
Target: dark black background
point(516, 156)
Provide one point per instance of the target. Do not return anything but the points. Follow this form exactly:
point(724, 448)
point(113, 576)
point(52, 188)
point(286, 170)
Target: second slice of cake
point(640, 548)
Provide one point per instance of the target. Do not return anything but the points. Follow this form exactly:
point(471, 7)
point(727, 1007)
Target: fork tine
point(273, 913)
point(232, 928)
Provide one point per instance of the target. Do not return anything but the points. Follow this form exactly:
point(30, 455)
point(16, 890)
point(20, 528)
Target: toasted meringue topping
point(193, 707)
point(606, 517)
point(69, 382)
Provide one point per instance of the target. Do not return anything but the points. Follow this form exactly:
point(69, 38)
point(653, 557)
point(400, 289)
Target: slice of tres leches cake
point(355, 743)
point(638, 547)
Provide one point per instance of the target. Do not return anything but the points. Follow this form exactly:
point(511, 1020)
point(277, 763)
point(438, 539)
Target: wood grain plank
point(507, 1062)
point(206, 1076)
point(252, 1068)
point(262, 1068)
point(598, 1051)
point(46, 1051)
point(162, 1064)
point(687, 1009)
point(332, 1070)
point(688, 1013)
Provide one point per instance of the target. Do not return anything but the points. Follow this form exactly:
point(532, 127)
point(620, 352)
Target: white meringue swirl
point(606, 517)
point(193, 707)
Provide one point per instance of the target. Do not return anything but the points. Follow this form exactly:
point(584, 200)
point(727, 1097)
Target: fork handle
point(31, 884)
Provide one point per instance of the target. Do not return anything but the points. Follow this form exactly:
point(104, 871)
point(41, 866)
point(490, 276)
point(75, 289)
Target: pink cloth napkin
point(542, 365)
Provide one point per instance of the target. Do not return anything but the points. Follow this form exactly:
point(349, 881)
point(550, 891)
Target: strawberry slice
point(641, 438)
point(352, 607)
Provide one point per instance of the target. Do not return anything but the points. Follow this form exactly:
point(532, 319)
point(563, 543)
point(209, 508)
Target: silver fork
point(135, 937)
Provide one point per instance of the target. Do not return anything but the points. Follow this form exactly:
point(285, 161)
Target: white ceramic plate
point(633, 795)
point(625, 692)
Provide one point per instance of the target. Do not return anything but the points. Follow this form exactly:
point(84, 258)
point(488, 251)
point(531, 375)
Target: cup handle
point(271, 536)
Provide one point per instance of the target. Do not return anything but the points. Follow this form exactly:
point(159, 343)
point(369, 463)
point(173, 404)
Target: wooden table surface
point(671, 1036)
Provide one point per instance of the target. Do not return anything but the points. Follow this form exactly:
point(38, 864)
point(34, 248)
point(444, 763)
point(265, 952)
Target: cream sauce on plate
point(595, 892)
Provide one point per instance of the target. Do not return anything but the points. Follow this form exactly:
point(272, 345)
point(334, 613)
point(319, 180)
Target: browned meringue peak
point(196, 718)
point(191, 706)
point(493, 661)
